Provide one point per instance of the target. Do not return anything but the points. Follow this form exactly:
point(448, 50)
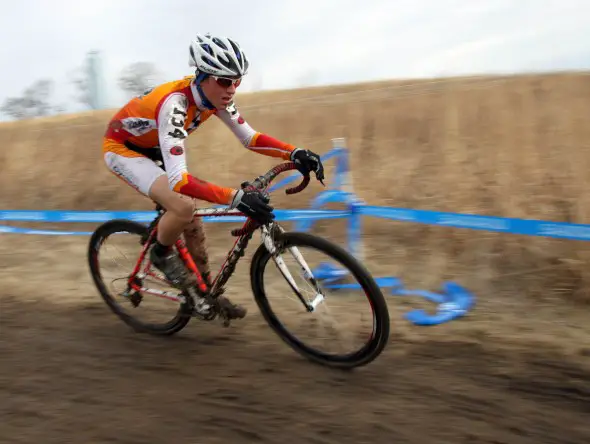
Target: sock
point(160, 250)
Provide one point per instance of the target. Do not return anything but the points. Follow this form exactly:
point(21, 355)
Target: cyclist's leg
point(151, 181)
point(194, 235)
point(179, 211)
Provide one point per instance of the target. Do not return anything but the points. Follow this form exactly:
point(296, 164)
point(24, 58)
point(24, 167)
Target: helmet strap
point(200, 76)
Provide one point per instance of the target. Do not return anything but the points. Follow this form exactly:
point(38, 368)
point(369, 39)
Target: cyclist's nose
point(231, 89)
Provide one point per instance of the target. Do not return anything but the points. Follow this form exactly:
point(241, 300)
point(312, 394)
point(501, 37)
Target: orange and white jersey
point(164, 116)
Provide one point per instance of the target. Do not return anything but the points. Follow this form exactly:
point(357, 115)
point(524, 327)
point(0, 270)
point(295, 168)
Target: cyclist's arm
point(170, 119)
point(252, 139)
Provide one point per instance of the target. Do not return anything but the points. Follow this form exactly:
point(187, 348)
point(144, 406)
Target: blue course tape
point(18, 230)
point(75, 216)
point(148, 216)
point(453, 302)
point(528, 227)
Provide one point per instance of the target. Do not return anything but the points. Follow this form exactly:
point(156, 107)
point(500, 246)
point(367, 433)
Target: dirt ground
point(514, 371)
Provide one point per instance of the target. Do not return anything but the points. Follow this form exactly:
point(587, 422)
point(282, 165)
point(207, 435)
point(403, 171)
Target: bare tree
point(138, 78)
point(34, 102)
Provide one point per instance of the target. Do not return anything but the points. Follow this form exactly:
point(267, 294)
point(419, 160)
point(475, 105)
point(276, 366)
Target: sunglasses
point(225, 82)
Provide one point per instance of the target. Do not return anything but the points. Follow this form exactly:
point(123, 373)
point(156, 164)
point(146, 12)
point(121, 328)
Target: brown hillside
point(508, 146)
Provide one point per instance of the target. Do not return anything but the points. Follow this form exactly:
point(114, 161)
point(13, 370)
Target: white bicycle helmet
point(218, 56)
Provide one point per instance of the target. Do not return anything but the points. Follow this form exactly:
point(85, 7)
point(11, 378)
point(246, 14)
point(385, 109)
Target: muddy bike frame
point(244, 234)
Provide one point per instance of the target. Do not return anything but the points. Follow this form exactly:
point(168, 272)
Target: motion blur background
point(474, 107)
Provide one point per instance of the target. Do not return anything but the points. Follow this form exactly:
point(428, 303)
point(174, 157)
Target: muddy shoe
point(233, 311)
point(173, 268)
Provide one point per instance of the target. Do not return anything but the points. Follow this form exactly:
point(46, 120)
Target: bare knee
point(181, 207)
point(183, 210)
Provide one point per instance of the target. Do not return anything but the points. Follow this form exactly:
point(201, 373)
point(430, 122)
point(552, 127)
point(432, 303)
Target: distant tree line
point(134, 79)
point(33, 102)
point(36, 100)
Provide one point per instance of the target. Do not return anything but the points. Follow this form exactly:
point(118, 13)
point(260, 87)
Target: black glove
point(250, 201)
point(308, 161)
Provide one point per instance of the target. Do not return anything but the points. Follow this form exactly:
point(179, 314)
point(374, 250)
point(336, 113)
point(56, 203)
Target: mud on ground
point(72, 372)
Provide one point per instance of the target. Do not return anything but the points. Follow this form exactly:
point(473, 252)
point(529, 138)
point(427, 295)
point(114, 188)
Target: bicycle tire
point(372, 349)
point(102, 232)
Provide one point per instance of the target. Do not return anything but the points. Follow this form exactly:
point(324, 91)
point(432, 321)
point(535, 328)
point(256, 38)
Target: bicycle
point(275, 241)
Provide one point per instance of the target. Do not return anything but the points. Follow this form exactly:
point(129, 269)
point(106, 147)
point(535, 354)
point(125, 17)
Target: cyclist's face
point(219, 91)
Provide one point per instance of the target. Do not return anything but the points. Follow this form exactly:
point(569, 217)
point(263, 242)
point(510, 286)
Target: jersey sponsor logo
point(177, 121)
point(178, 133)
point(138, 125)
point(178, 116)
point(240, 120)
point(125, 173)
point(176, 150)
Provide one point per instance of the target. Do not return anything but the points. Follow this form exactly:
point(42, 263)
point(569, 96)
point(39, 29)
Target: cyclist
point(144, 145)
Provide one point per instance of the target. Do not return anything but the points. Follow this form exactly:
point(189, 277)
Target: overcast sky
point(292, 43)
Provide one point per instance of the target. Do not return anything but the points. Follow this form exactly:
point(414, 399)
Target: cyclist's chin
point(224, 100)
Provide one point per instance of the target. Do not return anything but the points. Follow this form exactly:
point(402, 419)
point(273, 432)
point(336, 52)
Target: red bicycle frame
point(244, 234)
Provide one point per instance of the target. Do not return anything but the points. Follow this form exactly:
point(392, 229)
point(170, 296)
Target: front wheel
point(317, 296)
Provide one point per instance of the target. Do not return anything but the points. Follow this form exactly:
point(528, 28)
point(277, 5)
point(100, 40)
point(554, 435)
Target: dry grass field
point(514, 371)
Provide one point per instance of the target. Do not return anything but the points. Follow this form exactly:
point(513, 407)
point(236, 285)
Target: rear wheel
point(303, 247)
point(173, 318)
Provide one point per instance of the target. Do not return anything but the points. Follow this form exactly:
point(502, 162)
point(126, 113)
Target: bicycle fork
point(280, 263)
